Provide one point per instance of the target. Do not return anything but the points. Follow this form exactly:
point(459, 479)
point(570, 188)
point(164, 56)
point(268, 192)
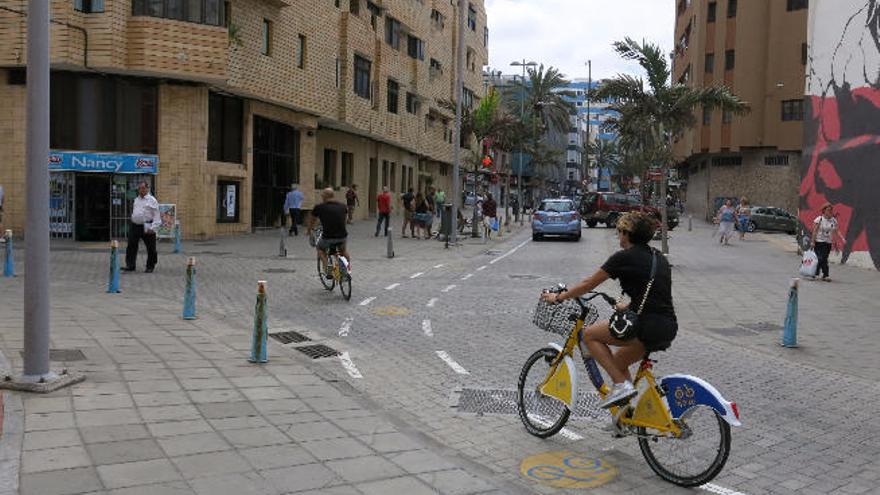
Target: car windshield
point(557, 206)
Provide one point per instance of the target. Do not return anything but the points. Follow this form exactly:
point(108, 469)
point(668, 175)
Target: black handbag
point(623, 324)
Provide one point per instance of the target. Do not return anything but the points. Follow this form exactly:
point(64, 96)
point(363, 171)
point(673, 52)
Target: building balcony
point(185, 49)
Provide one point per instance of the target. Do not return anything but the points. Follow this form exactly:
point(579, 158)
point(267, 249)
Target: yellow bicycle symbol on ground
point(566, 469)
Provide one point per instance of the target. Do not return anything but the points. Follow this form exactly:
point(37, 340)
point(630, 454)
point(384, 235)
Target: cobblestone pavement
point(806, 411)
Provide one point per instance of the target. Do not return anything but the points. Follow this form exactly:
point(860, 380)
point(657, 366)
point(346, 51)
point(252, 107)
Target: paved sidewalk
point(173, 407)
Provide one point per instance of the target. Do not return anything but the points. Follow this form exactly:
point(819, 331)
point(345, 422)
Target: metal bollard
point(113, 281)
point(177, 247)
point(9, 265)
point(282, 247)
point(261, 334)
point(789, 336)
point(189, 293)
point(389, 245)
point(690, 222)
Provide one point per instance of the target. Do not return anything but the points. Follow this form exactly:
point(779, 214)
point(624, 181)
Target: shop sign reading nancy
point(119, 163)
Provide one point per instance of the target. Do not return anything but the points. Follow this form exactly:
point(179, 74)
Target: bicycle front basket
point(556, 318)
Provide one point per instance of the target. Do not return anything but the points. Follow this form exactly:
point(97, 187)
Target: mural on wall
point(842, 124)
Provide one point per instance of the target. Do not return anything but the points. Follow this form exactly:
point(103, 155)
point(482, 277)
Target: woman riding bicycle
point(657, 325)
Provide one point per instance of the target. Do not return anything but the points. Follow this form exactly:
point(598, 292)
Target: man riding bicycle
point(332, 215)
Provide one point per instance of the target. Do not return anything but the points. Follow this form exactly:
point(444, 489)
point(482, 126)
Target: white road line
point(392, 286)
point(482, 268)
point(565, 432)
point(426, 327)
point(432, 302)
point(416, 275)
point(452, 364)
point(441, 265)
point(448, 288)
point(469, 275)
point(367, 301)
point(349, 366)
point(505, 255)
point(346, 327)
point(720, 490)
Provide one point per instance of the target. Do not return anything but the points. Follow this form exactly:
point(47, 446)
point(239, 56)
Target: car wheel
point(611, 222)
point(752, 227)
point(591, 223)
point(577, 238)
point(536, 237)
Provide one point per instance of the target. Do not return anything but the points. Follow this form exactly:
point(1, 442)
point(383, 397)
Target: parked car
point(470, 199)
point(772, 218)
point(607, 207)
point(556, 217)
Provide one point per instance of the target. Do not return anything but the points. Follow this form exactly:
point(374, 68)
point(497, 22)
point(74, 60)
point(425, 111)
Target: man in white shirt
point(145, 221)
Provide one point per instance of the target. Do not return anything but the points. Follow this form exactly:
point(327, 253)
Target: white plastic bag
point(809, 264)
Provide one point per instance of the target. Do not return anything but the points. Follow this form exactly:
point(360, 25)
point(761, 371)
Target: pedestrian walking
point(825, 227)
point(743, 217)
point(490, 214)
point(145, 221)
point(439, 201)
point(408, 209)
point(726, 219)
point(383, 203)
point(292, 204)
point(422, 216)
point(352, 201)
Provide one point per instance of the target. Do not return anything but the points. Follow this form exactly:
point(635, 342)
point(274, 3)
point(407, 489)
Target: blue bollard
point(9, 266)
point(177, 247)
point(189, 294)
point(789, 336)
point(261, 334)
point(113, 282)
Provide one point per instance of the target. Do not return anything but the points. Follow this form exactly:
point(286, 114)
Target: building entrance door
point(276, 167)
point(92, 207)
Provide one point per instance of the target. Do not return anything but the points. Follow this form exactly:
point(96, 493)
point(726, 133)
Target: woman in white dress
point(726, 220)
point(824, 229)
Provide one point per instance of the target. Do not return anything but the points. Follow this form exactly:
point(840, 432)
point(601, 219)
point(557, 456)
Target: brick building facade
point(235, 100)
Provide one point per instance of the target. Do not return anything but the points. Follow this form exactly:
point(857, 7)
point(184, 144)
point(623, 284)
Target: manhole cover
point(503, 401)
point(493, 252)
point(279, 270)
point(317, 351)
point(521, 276)
point(64, 355)
point(289, 337)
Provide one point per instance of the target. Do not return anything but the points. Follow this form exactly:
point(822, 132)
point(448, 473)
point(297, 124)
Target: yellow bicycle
point(682, 423)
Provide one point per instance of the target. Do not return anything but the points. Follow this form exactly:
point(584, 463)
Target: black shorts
point(656, 331)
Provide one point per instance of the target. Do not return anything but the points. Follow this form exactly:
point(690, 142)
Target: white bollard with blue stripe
point(113, 281)
point(789, 335)
point(177, 246)
point(9, 265)
point(261, 327)
point(189, 293)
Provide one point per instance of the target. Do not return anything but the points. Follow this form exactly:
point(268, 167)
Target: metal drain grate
point(279, 270)
point(317, 351)
point(289, 337)
point(503, 401)
point(64, 355)
point(493, 252)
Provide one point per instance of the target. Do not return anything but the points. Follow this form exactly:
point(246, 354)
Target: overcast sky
point(567, 33)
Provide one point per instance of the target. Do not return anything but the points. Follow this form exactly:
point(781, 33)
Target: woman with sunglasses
point(657, 324)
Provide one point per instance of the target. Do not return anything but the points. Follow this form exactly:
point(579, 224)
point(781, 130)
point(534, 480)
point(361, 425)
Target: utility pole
point(522, 112)
point(456, 146)
point(589, 117)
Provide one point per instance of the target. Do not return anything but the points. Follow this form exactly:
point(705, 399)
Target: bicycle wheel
point(328, 283)
point(543, 416)
point(344, 282)
point(694, 458)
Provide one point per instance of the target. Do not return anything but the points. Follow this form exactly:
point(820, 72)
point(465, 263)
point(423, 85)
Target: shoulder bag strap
point(650, 282)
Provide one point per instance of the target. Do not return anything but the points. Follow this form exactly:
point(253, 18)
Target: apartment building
point(221, 105)
point(758, 48)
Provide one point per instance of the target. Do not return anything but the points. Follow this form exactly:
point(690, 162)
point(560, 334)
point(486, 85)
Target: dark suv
point(606, 207)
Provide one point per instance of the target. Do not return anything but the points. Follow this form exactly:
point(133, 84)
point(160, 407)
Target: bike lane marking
point(505, 255)
point(482, 268)
point(426, 327)
point(565, 432)
point(392, 286)
point(367, 301)
point(441, 265)
point(452, 364)
point(720, 490)
point(469, 275)
point(417, 275)
point(566, 469)
point(449, 288)
point(346, 327)
point(432, 302)
point(349, 365)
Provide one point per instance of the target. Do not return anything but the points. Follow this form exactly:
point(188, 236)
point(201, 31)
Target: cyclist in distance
point(332, 215)
point(657, 324)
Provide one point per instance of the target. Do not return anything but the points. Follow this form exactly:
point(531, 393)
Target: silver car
point(772, 218)
point(556, 217)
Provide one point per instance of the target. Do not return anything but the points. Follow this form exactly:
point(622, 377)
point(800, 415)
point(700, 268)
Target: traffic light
point(487, 161)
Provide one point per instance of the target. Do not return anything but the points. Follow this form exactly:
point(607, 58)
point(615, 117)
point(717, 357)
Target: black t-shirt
point(332, 215)
point(407, 200)
point(632, 267)
point(422, 207)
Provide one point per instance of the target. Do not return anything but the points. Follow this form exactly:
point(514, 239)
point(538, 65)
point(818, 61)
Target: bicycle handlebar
point(583, 300)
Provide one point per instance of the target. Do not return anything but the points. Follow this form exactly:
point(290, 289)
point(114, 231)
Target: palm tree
point(651, 118)
point(606, 154)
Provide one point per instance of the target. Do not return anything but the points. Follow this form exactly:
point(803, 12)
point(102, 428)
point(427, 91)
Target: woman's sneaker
point(620, 393)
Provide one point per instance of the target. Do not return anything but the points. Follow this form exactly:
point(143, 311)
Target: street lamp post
point(589, 129)
point(522, 111)
point(456, 146)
